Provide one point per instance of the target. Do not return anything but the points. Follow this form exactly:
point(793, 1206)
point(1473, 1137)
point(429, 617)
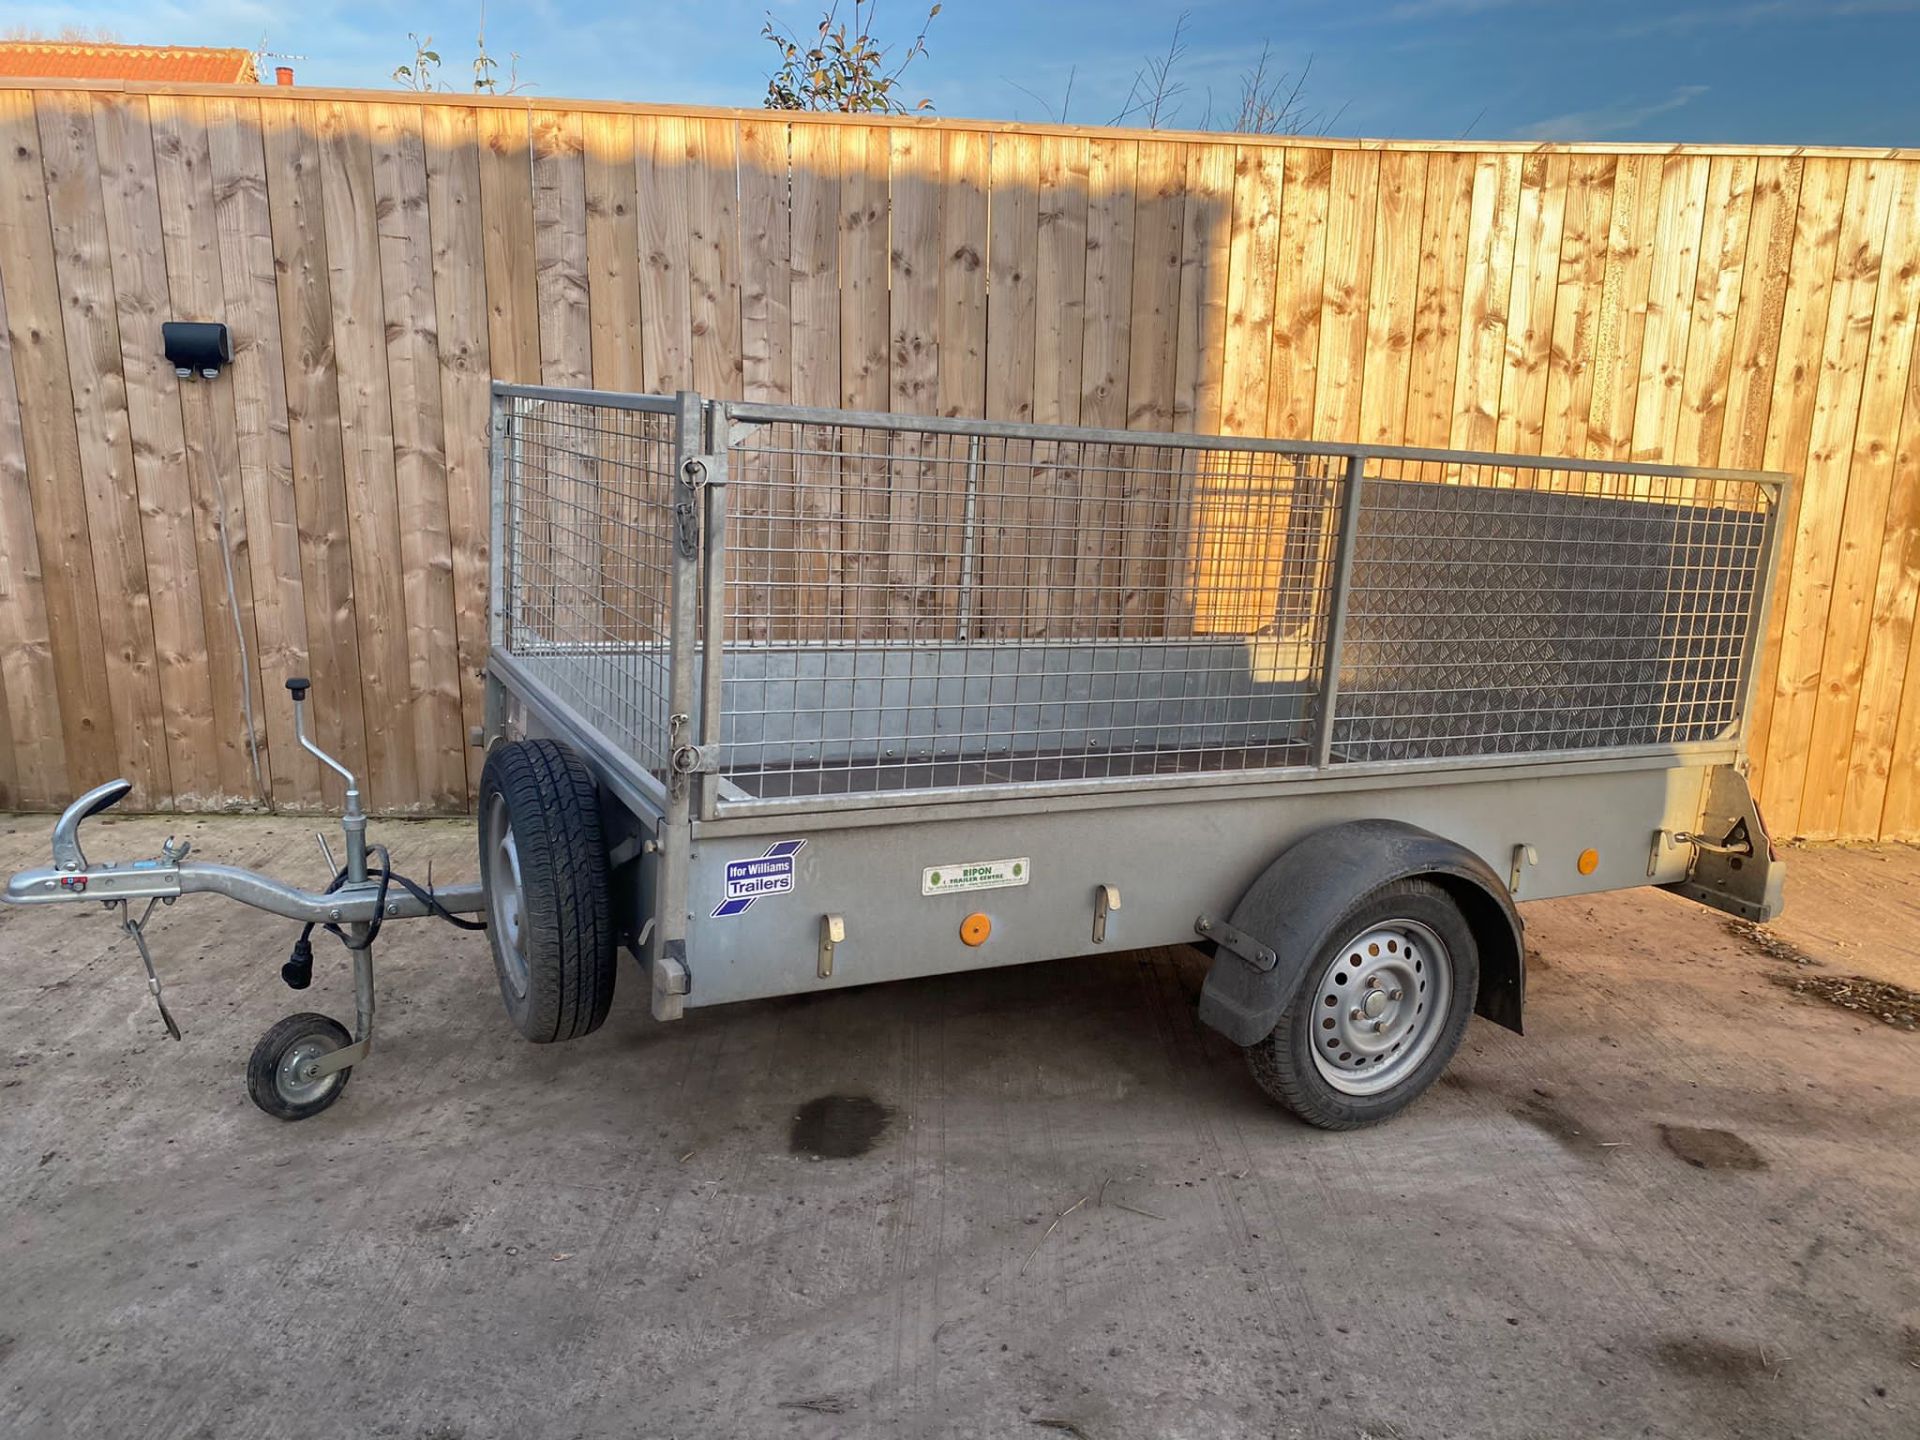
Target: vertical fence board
point(1883, 792)
point(51, 448)
point(714, 258)
point(1060, 308)
point(366, 422)
point(1622, 315)
point(296, 210)
point(1531, 303)
point(816, 264)
point(1436, 312)
point(815, 198)
point(1839, 383)
point(1106, 346)
point(1346, 289)
point(1764, 280)
point(767, 264)
point(460, 302)
point(560, 248)
point(34, 768)
point(613, 253)
point(963, 262)
point(864, 372)
point(1393, 293)
point(765, 512)
point(1484, 298)
point(661, 178)
point(1878, 781)
point(1299, 292)
point(83, 265)
point(1585, 222)
point(506, 202)
point(1147, 524)
point(1206, 224)
point(1706, 375)
point(918, 585)
point(1253, 261)
point(242, 221)
point(1673, 272)
point(420, 452)
point(1061, 286)
point(1013, 264)
point(1803, 323)
point(1870, 467)
point(183, 166)
point(1013, 246)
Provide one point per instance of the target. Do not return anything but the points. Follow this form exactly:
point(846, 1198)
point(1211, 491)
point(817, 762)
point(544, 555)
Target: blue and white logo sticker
point(748, 880)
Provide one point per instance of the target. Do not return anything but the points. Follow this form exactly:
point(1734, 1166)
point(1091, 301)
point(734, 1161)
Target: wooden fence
point(378, 257)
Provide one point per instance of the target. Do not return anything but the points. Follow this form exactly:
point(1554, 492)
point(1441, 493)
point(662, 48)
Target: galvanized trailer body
point(854, 684)
point(785, 699)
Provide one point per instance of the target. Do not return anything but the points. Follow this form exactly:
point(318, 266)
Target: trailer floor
point(1031, 1202)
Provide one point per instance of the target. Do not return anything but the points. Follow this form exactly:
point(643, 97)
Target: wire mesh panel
point(901, 605)
point(915, 605)
point(911, 608)
point(587, 557)
point(1500, 610)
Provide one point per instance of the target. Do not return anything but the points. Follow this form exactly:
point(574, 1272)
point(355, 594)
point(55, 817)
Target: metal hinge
point(1737, 841)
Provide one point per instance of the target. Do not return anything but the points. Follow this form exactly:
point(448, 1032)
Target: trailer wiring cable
point(298, 971)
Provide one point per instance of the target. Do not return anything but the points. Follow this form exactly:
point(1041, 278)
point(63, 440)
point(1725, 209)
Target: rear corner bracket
point(1261, 957)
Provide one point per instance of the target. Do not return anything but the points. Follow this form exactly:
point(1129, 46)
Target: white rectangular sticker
point(975, 875)
point(750, 880)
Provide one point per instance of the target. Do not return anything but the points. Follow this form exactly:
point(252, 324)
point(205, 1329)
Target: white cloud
point(1605, 120)
point(1761, 12)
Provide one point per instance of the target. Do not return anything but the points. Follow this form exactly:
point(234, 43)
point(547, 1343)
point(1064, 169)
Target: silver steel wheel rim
point(506, 906)
point(1379, 1006)
point(290, 1078)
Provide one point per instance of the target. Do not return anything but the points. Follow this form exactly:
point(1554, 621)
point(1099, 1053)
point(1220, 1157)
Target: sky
point(1811, 72)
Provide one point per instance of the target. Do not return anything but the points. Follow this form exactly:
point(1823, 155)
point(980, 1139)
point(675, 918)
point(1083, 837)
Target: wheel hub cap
point(295, 1079)
point(504, 895)
point(1379, 1006)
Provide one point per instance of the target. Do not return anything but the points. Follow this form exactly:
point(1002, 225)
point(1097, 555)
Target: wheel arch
point(1298, 900)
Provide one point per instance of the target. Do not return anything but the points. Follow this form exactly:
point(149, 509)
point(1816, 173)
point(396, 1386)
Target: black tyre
point(1380, 1012)
point(543, 862)
point(277, 1078)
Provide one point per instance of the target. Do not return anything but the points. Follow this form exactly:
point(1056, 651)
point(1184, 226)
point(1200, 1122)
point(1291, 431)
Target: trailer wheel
point(276, 1078)
point(1380, 1012)
point(543, 864)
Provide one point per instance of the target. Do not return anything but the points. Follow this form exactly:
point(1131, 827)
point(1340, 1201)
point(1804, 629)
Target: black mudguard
point(1295, 905)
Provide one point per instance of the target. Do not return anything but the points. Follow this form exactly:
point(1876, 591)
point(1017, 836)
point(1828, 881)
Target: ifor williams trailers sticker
point(748, 880)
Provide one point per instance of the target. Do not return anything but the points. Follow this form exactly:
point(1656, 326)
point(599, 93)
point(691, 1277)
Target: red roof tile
point(67, 60)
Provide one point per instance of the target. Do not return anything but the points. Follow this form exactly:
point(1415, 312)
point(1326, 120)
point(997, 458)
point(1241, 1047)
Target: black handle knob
point(299, 685)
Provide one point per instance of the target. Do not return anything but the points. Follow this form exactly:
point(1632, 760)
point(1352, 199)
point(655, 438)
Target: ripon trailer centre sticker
point(748, 880)
point(975, 875)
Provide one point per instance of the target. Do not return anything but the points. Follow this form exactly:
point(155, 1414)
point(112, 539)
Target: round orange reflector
point(1588, 862)
point(975, 929)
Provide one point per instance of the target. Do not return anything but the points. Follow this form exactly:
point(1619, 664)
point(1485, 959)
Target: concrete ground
point(1687, 1204)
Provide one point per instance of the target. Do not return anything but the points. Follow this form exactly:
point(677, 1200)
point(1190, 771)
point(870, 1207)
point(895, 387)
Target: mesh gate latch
point(695, 760)
point(700, 470)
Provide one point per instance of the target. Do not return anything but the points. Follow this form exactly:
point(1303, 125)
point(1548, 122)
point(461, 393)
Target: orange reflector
point(975, 929)
point(1588, 862)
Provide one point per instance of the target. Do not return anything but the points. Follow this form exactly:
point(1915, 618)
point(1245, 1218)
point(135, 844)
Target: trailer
point(784, 699)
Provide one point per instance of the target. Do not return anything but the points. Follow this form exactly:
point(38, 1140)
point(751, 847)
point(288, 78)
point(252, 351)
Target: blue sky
point(1776, 71)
